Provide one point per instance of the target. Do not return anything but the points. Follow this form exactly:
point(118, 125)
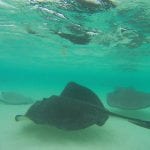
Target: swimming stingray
point(76, 39)
point(76, 108)
point(13, 98)
point(128, 98)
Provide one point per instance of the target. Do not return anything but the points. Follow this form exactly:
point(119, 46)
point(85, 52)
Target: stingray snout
point(20, 117)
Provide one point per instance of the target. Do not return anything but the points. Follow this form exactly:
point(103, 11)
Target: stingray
point(128, 98)
point(75, 39)
point(77, 107)
point(13, 98)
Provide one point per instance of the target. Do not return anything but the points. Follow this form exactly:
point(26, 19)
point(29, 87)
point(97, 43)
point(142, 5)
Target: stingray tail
point(139, 122)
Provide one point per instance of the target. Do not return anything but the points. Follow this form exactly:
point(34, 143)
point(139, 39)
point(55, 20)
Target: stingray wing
point(76, 91)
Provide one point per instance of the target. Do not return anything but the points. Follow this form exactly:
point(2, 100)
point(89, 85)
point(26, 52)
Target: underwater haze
point(44, 44)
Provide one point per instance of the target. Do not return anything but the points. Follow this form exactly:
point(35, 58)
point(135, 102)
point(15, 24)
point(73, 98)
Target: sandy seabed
point(116, 134)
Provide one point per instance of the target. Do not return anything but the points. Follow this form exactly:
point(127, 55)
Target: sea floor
point(116, 134)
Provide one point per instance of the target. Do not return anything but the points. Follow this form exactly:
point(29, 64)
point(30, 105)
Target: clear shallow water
point(37, 62)
point(31, 53)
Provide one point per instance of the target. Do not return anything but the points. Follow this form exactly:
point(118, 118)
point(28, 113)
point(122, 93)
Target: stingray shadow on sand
point(52, 135)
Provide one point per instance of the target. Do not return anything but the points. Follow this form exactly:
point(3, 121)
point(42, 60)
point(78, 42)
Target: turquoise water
point(37, 62)
point(44, 59)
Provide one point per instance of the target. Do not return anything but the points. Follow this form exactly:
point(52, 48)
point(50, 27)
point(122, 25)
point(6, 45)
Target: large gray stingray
point(76, 108)
point(13, 98)
point(128, 98)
